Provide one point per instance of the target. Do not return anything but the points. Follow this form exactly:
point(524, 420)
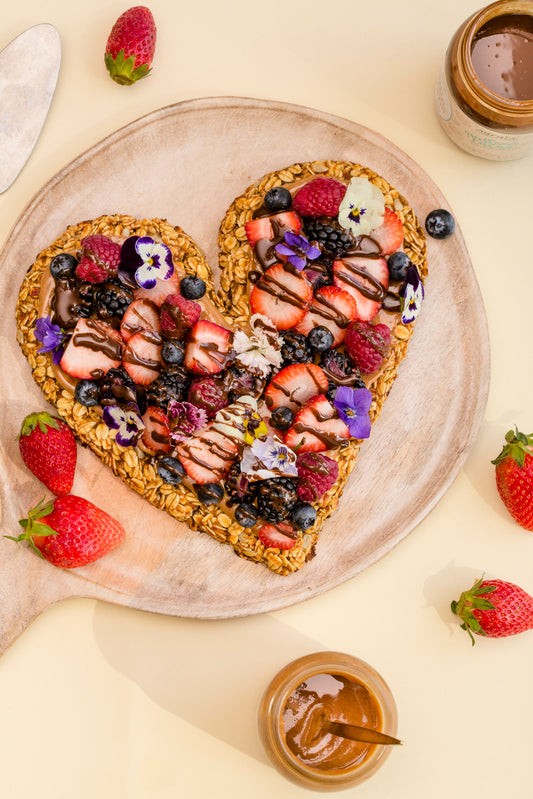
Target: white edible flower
point(362, 208)
point(258, 352)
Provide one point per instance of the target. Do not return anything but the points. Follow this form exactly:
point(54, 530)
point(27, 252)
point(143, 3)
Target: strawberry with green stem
point(131, 45)
point(48, 448)
point(70, 531)
point(494, 608)
point(514, 477)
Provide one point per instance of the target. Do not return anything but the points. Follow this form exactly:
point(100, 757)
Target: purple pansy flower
point(51, 336)
point(185, 419)
point(127, 423)
point(297, 250)
point(412, 293)
point(156, 262)
point(353, 405)
point(268, 458)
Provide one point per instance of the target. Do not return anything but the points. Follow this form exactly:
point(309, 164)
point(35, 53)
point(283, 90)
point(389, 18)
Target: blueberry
point(246, 514)
point(170, 470)
point(320, 338)
point(192, 287)
point(173, 352)
point(282, 418)
point(87, 392)
point(278, 199)
point(63, 265)
point(440, 224)
point(303, 515)
point(209, 493)
point(398, 263)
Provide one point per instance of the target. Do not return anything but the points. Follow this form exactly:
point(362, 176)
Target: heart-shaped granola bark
point(239, 412)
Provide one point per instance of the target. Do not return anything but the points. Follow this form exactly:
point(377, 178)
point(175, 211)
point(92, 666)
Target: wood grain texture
point(186, 163)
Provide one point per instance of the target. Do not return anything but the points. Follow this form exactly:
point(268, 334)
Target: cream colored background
point(98, 700)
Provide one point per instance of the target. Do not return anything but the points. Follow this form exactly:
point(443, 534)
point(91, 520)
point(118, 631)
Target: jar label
point(474, 137)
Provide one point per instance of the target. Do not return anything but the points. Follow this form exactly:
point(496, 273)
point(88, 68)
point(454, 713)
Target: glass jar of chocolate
point(484, 93)
point(296, 712)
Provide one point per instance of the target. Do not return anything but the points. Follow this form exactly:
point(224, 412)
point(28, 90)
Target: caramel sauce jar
point(484, 93)
point(330, 685)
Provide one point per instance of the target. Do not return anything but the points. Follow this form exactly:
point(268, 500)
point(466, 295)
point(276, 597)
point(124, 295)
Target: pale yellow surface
point(98, 700)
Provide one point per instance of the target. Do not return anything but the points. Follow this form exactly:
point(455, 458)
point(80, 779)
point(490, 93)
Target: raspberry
point(178, 315)
point(319, 197)
point(316, 474)
point(209, 394)
point(367, 345)
point(100, 257)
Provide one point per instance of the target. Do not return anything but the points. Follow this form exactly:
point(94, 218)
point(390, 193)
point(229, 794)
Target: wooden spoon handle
point(355, 733)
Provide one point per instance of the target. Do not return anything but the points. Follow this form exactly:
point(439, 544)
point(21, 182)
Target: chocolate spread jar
point(484, 93)
point(325, 685)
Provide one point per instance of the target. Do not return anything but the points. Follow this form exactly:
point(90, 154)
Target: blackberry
point(276, 498)
point(336, 364)
point(84, 305)
point(112, 301)
point(241, 382)
point(295, 348)
point(172, 384)
point(118, 388)
point(238, 487)
point(328, 234)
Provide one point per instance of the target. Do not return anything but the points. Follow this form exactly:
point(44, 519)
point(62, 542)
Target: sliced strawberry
point(142, 357)
point(366, 279)
point(161, 290)
point(155, 434)
point(93, 349)
point(294, 385)
point(142, 314)
point(282, 295)
point(317, 427)
point(208, 347)
point(207, 457)
point(257, 229)
point(277, 536)
point(271, 227)
point(389, 235)
point(331, 307)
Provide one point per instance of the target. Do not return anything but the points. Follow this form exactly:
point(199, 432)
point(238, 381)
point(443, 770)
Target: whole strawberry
point(494, 608)
point(367, 345)
point(100, 258)
point(514, 477)
point(131, 45)
point(48, 448)
point(70, 531)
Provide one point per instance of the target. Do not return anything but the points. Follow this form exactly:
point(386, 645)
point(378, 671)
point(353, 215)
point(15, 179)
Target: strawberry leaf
point(40, 419)
point(517, 447)
point(473, 599)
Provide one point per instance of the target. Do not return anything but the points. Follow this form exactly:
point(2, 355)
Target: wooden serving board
point(186, 163)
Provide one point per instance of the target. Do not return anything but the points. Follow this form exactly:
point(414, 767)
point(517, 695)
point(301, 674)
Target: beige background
point(101, 700)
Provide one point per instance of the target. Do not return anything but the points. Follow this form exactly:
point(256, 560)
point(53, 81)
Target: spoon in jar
point(355, 733)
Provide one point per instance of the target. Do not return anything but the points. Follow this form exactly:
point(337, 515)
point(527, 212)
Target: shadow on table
point(209, 673)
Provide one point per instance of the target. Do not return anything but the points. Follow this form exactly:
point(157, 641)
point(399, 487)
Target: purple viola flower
point(185, 419)
point(412, 293)
point(297, 250)
point(127, 423)
point(51, 336)
point(156, 262)
point(353, 405)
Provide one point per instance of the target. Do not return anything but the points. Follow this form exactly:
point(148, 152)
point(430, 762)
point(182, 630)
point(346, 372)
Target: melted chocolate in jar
point(332, 697)
point(502, 56)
